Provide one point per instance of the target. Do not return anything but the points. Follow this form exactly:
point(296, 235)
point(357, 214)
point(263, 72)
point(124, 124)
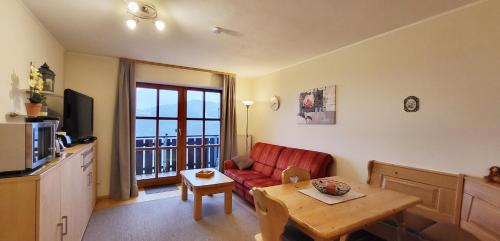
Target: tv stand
point(87, 139)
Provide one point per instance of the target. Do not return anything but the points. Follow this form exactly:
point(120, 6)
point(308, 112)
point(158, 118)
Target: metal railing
point(196, 156)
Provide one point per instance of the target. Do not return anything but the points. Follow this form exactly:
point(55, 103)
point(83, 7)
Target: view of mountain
point(169, 127)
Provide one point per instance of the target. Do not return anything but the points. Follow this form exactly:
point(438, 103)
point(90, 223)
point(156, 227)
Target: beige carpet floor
point(171, 219)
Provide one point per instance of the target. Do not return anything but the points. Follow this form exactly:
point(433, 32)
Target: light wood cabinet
point(49, 206)
point(52, 204)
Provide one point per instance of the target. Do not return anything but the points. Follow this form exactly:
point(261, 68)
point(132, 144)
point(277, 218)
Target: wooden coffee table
point(200, 187)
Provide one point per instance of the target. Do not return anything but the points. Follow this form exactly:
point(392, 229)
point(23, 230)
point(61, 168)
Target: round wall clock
point(411, 104)
point(274, 103)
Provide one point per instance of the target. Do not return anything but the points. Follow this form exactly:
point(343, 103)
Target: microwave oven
point(26, 145)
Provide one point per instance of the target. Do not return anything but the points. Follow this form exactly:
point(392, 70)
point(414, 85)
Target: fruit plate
point(331, 187)
point(205, 174)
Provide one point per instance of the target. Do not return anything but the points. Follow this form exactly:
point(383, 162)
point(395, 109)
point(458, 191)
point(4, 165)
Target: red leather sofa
point(270, 161)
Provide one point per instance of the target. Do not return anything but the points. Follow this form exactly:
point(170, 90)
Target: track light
point(133, 7)
point(160, 25)
point(131, 24)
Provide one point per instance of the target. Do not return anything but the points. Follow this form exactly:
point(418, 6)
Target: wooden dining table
point(324, 222)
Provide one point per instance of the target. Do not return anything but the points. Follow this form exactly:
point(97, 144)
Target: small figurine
point(494, 175)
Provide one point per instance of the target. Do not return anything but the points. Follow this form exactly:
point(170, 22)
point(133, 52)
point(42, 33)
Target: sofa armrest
point(229, 164)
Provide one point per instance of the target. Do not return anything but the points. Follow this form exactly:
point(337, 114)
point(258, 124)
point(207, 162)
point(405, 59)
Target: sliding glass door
point(177, 128)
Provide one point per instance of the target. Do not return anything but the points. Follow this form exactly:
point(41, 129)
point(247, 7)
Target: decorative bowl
point(331, 187)
point(205, 174)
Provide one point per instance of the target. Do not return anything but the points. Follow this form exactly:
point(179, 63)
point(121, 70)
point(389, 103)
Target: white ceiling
point(267, 35)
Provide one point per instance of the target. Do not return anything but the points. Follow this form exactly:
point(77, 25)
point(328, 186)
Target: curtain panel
point(228, 125)
point(123, 179)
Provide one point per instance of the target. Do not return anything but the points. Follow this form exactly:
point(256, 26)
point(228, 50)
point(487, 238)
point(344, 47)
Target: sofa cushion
point(315, 162)
point(243, 162)
point(241, 176)
point(446, 232)
point(261, 182)
point(265, 157)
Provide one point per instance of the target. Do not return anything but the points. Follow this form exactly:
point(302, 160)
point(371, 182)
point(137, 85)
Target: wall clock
point(274, 103)
point(411, 104)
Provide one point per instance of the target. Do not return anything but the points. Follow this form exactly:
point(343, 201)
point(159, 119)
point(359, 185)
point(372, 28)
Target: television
point(78, 116)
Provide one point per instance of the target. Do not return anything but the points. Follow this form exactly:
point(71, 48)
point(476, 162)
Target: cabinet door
point(49, 212)
point(89, 186)
point(72, 198)
point(18, 210)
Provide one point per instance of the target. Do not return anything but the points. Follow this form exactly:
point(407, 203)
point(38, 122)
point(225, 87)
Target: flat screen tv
point(78, 116)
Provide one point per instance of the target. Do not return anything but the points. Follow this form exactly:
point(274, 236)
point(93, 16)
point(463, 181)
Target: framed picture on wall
point(317, 106)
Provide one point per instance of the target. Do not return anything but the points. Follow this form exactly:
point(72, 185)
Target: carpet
point(171, 219)
point(154, 190)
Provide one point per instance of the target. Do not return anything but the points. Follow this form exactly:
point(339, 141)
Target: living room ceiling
point(261, 36)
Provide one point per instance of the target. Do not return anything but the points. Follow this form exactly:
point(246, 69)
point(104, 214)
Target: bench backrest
point(481, 208)
point(441, 193)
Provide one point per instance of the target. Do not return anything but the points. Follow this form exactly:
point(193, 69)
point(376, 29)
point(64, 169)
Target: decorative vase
point(33, 109)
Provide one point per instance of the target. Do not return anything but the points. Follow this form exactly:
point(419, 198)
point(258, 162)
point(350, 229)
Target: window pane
point(194, 104)
point(212, 132)
point(194, 133)
point(193, 157)
point(212, 157)
point(169, 103)
point(145, 133)
point(167, 135)
point(168, 162)
point(145, 102)
point(212, 105)
point(145, 164)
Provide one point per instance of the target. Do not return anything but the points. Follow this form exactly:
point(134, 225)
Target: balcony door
point(177, 128)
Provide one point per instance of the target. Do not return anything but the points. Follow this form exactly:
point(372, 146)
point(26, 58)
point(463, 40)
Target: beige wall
point(452, 62)
point(24, 40)
point(97, 76)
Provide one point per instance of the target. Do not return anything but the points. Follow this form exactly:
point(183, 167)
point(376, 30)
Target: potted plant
point(36, 98)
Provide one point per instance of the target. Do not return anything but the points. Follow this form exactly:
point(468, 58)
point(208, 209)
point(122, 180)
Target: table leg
point(228, 201)
point(401, 226)
point(184, 194)
point(197, 205)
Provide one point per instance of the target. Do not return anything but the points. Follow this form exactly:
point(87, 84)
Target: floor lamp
point(247, 104)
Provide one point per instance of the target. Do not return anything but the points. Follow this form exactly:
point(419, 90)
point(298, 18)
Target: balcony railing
point(196, 156)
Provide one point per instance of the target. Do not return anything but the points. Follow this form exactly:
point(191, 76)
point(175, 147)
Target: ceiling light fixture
point(131, 23)
point(217, 30)
point(139, 10)
point(133, 7)
point(160, 25)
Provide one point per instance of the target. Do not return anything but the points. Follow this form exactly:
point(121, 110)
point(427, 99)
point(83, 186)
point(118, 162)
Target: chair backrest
point(272, 213)
point(293, 172)
point(481, 208)
point(441, 193)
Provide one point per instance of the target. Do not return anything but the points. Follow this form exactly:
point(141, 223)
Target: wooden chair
point(293, 171)
point(273, 218)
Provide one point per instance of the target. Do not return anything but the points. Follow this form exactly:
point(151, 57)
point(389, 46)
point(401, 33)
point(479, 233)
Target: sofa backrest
point(314, 162)
point(265, 157)
point(481, 208)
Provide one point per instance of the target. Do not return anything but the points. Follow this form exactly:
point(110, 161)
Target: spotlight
point(160, 25)
point(133, 7)
point(131, 24)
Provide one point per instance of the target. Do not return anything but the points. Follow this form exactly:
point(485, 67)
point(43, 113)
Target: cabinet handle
point(90, 179)
point(61, 233)
point(65, 218)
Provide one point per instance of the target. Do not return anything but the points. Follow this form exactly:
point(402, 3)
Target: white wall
point(452, 62)
point(24, 40)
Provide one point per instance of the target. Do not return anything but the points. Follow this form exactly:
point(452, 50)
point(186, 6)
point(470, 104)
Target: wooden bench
point(441, 195)
point(454, 206)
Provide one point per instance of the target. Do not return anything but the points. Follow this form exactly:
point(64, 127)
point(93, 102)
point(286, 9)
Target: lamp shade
point(247, 102)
